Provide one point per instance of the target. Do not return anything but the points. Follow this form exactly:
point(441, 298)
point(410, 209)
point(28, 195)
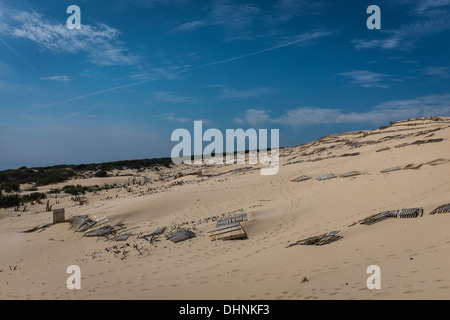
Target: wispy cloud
point(285, 10)
point(432, 17)
point(365, 78)
point(234, 18)
point(99, 42)
point(172, 117)
point(61, 78)
point(242, 20)
point(247, 94)
point(171, 97)
point(431, 7)
point(442, 72)
point(431, 105)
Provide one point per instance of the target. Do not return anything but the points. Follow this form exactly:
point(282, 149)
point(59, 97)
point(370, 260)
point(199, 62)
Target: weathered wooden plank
point(301, 178)
point(351, 174)
point(59, 216)
point(327, 176)
point(391, 169)
point(180, 235)
point(413, 166)
point(438, 162)
point(122, 237)
point(157, 232)
point(319, 240)
point(380, 217)
point(77, 221)
point(106, 230)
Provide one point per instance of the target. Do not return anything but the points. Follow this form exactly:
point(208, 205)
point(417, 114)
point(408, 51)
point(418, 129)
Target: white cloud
point(431, 105)
point(238, 121)
point(365, 78)
point(442, 72)
point(100, 42)
point(433, 18)
point(61, 78)
point(256, 118)
point(172, 117)
point(431, 7)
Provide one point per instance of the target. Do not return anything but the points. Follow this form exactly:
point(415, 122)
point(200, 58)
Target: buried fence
point(97, 227)
point(442, 209)
point(403, 213)
point(228, 232)
point(319, 240)
point(229, 220)
point(380, 217)
point(180, 235)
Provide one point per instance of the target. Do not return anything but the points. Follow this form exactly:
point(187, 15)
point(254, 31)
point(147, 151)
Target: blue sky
point(137, 70)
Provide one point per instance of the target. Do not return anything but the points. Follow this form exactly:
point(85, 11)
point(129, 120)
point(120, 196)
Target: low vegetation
point(10, 180)
point(14, 200)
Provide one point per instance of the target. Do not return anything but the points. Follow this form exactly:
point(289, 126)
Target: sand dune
point(411, 253)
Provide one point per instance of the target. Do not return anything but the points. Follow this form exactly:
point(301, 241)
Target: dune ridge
point(331, 184)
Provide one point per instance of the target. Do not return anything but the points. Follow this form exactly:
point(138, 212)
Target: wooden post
point(58, 216)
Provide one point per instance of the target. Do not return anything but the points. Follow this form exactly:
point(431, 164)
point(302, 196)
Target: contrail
point(304, 37)
point(19, 56)
point(93, 94)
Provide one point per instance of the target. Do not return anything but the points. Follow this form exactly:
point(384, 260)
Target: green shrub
point(75, 190)
point(35, 196)
point(101, 174)
point(9, 201)
point(10, 186)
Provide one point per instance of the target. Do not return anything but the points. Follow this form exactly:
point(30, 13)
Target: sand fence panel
point(380, 217)
point(327, 176)
point(319, 240)
point(391, 169)
point(228, 232)
point(410, 213)
point(301, 178)
point(442, 209)
point(351, 174)
point(230, 220)
point(180, 235)
point(59, 216)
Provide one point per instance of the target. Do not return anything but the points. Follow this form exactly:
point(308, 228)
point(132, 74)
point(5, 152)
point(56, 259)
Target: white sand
point(412, 253)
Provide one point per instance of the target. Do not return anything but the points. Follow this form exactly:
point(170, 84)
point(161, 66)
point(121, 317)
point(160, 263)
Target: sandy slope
point(412, 253)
